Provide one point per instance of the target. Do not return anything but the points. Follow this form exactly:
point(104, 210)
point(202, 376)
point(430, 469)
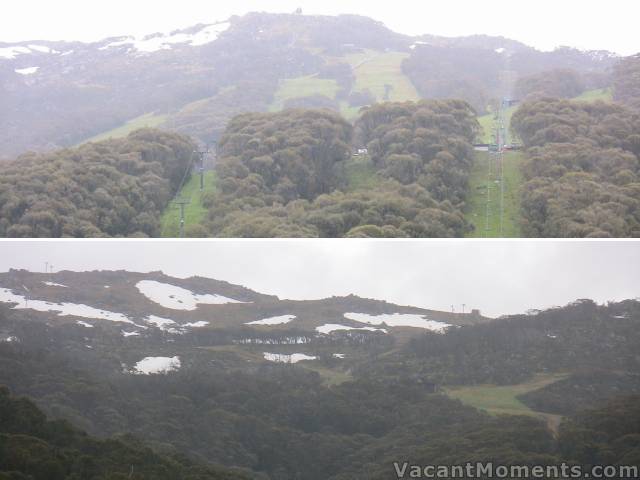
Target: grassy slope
point(487, 123)
point(502, 400)
point(604, 94)
point(485, 174)
point(194, 213)
point(148, 120)
point(380, 69)
point(372, 69)
point(303, 87)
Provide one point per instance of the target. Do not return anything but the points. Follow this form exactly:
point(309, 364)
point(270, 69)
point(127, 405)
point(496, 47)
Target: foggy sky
point(544, 24)
point(498, 277)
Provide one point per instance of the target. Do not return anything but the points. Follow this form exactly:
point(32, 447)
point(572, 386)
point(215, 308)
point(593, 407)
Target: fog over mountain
point(615, 23)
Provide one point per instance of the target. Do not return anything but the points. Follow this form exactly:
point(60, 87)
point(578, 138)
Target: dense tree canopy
point(285, 422)
point(33, 448)
point(582, 169)
point(286, 174)
point(427, 143)
point(283, 157)
point(626, 82)
point(561, 83)
point(110, 188)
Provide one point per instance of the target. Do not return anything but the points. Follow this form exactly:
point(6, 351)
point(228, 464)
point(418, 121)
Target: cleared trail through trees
point(493, 201)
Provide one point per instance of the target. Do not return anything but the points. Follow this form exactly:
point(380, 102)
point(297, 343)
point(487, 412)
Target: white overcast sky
point(498, 277)
point(545, 24)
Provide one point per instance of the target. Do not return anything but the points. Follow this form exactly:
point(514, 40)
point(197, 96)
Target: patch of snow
point(107, 286)
point(551, 336)
point(130, 334)
point(152, 365)
point(417, 44)
point(68, 52)
point(620, 316)
point(161, 323)
point(10, 339)
point(12, 52)
point(209, 33)
point(53, 284)
point(283, 358)
point(327, 328)
point(199, 324)
point(120, 43)
point(88, 346)
point(399, 320)
point(26, 71)
point(178, 298)
point(63, 309)
point(338, 355)
point(157, 42)
point(500, 50)
point(274, 341)
point(84, 324)
point(42, 49)
point(273, 320)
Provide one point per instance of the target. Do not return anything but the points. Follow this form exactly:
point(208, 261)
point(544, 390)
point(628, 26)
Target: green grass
point(148, 120)
point(488, 122)
point(195, 212)
point(361, 174)
point(379, 69)
point(372, 69)
point(485, 174)
point(501, 400)
point(303, 87)
point(604, 94)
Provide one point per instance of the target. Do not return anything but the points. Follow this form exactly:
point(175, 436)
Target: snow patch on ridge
point(198, 324)
point(27, 71)
point(327, 328)
point(164, 324)
point(399, 320)
point(178, 298)
point(273, 320)
point(284, 358)
point(153, 365)
point(62, 309)
point(10, 53)
point(158, 41)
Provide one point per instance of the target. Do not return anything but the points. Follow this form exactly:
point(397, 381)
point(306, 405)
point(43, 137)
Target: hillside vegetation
point(258, 62)
point(626, 82)
point(581, 170)
point(291, 173)
point(111, 188)
point(34, 448)
point(388, 398)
